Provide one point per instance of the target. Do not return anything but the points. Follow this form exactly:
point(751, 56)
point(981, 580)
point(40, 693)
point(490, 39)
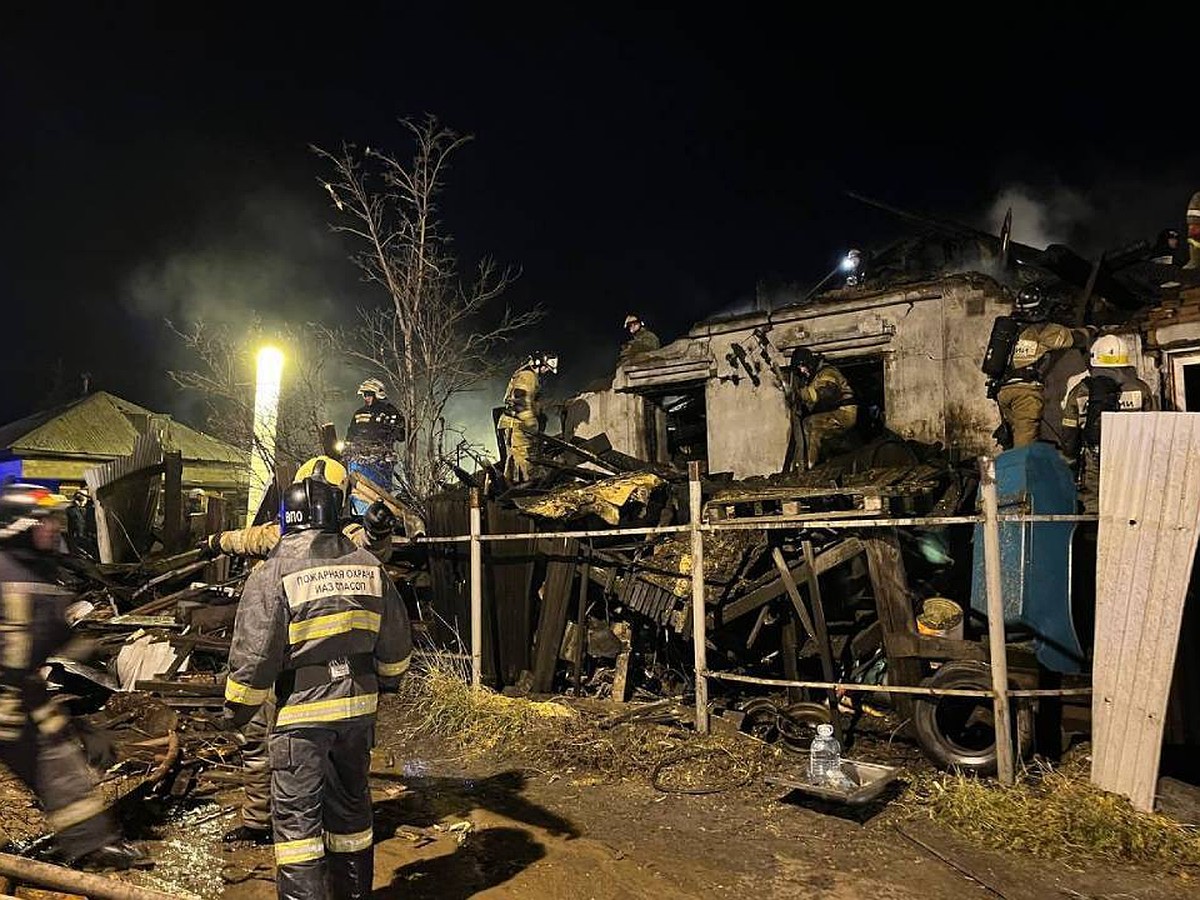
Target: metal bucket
point(941, 617)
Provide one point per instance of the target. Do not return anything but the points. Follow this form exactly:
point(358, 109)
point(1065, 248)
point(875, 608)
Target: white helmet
point(543, 362)
point(372, 386)
point(1109, 352)
point(630, 319)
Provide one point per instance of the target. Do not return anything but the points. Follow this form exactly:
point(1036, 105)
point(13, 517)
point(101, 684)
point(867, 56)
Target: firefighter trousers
point(37, 745)
point(321, 810)
point(1021, 405)
point(518, 441)
point(820, 429)
point(256, 808)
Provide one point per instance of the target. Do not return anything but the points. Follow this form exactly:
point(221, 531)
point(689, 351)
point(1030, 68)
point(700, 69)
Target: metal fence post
point(698, 609)
point(1005, 769)
point(476, 590)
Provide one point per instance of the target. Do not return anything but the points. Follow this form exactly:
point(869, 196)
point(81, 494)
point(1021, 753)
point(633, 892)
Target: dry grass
point(1054, 813)
point(555, 736)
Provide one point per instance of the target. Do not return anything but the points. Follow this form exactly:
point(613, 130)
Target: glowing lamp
point(266, 417)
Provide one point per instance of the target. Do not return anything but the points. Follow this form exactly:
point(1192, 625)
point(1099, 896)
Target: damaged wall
point(930, 339)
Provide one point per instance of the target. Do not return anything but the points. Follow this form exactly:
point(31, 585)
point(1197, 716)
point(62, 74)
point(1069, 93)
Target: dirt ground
point(446, 829)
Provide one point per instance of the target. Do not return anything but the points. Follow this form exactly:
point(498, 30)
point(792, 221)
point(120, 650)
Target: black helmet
point(803, 358)
point(1031, 300)
point(23, 505)
point(311, 502)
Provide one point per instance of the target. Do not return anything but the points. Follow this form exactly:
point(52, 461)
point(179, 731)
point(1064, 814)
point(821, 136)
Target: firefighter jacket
point(643, 342)
point(522, 408)
point(260, 540)
point(1116, 389)
point(1029, 351)
point(374, 431)
point(321, 623)
point(33, 611)
point(826, 391)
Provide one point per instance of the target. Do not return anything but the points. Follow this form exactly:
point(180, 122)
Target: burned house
point(911, 352)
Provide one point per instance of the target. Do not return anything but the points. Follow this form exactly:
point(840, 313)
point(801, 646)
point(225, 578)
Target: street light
point(266, 417)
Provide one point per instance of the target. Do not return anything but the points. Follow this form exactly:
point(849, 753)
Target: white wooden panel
point(1149, 520)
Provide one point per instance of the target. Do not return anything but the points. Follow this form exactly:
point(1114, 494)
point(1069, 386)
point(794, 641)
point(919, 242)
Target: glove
point(210, 546)
point(379, 521)
point(237, 716)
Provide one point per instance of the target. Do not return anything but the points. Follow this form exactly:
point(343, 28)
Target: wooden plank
point(556, 602)
point(889, 584)
point(508, 593)
point(1149, 523)
point(821, 635)
point(174, 530)
point(773, 587)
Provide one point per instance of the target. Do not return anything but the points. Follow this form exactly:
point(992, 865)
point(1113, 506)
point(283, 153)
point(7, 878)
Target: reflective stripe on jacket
point(322, 623)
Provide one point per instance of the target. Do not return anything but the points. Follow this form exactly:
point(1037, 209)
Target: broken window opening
point(865, 374)
point(1191, 387)
point(677, 426)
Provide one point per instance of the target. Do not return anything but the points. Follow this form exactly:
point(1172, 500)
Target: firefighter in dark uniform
point(824, 407)
point(1112, 385)
point(641, 338)
point(374, 533)
point(521, 419)
point(36, 741)
point(321, 623)
point(375, 429)
point(1021, 393)
point(81, 526)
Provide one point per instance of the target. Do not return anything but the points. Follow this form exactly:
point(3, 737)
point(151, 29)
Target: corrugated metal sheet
point(1149, 520)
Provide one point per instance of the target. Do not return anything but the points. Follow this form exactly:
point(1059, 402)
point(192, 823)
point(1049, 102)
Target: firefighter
point(81, 526)
point(322, 625)
point(641, 338)
point(1022, 389)
point(374, 533)
point(1193, 234)
point(35, 735)
point(824, 407)
point(375, 429)
point(521, 418)
point(1112, 385)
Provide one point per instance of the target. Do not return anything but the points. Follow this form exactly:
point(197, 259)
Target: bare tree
point(438, 336)
point(224, 377)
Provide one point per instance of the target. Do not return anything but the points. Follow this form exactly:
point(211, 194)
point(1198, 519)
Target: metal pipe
point(1005, 770)
point(852, 687)
point(476, 591)
point(758, 524)
point(699, 649)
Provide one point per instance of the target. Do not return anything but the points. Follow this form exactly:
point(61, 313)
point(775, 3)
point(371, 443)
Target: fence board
point(1149, 521)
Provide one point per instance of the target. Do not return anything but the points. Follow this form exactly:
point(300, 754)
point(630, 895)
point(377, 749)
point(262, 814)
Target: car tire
point(957, 732)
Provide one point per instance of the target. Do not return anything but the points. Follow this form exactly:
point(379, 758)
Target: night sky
point(155, 165)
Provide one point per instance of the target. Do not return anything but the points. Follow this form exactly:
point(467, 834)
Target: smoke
point(1105, 211)
point(274, 256)
point(1040, 216)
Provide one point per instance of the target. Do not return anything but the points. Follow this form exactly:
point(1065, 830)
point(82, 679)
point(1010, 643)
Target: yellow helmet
point(1109, 351)
point(331, 471)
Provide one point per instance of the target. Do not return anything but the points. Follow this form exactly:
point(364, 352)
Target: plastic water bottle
point(825, 758)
